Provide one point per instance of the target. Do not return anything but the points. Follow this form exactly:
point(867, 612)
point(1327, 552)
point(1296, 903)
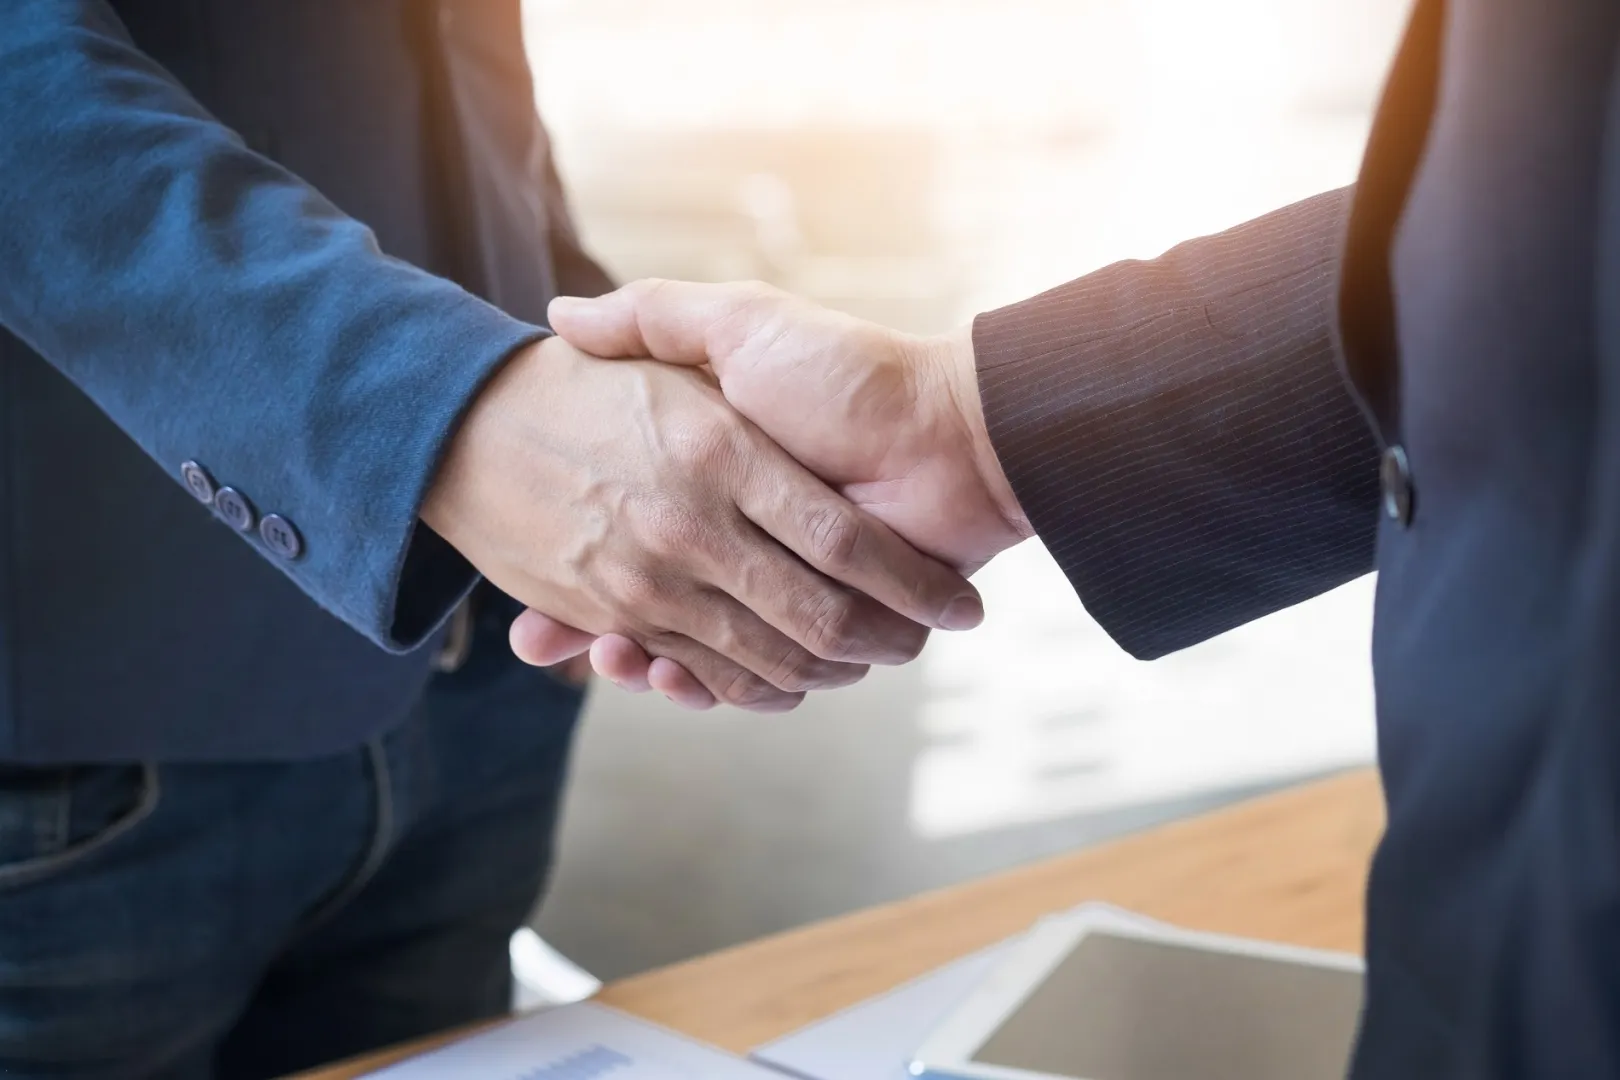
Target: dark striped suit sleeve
point(1179, 433)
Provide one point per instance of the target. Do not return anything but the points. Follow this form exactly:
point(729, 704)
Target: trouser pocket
point(54, 818)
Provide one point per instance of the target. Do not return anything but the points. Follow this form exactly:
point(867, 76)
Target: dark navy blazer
point(283, 241)
point(1183, 441)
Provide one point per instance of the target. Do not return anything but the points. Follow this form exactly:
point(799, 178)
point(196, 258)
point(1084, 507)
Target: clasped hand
point(817, 519)
point(725, 493)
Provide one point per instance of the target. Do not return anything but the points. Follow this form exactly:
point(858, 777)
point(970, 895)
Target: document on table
point(875, 1039)
point(577, 1042)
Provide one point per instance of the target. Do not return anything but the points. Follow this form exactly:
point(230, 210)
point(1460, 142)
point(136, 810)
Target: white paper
point(577, 1042)
point(875, 1039)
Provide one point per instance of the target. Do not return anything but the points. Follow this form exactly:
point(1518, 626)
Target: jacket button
point(198, 482)
point(1395, 477)
point(280, 537)
point(233, 506)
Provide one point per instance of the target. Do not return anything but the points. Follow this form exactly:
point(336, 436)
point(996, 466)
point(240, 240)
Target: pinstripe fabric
point(1180, 435)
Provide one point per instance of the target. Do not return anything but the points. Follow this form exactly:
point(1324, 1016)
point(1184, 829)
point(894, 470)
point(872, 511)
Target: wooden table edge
point(1290, 866)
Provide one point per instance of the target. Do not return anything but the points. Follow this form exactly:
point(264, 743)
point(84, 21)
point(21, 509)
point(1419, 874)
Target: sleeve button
point(198, 482)
point(233, 506)
point(281, 537)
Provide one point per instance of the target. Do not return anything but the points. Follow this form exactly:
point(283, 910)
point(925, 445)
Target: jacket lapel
point(1367, 330)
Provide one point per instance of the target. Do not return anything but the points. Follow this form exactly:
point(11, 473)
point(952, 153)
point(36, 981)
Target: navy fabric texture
point(1174, 431)
point(263, 237)
point(1179, 433)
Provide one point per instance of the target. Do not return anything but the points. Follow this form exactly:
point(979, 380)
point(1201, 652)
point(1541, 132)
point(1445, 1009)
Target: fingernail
point(564, 305)
point(964, 613)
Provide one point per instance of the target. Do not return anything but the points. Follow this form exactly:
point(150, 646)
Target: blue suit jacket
point(1181, 437)
point(286, 240)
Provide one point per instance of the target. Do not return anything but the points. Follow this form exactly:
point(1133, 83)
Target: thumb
point(678, 322)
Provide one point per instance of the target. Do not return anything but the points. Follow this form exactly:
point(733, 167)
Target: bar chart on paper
point(588, 1064)
point(578, 1042)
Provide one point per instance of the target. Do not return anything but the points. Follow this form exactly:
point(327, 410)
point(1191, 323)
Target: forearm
point(1178, 432)
point(220, 310)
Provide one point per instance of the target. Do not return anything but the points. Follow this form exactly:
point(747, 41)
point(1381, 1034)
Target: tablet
point(1095, 998)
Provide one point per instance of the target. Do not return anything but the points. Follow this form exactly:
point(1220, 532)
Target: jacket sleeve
point(221, 311)
point(1179, 433)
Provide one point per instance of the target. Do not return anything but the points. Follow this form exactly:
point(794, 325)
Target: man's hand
point(894, 421)
point(629, 499)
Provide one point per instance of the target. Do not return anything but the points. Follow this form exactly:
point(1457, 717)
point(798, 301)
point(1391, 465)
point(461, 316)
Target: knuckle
point(797, 671)
point(709, 444)
point(674, 529)
point(834, 535)
point(745, 690)
point(643, 289)
point(637, 590)
point(833, 626)
point(753, 315)
point(669, 530)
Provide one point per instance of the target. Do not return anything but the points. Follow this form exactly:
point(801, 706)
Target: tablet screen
point(1127, 1008)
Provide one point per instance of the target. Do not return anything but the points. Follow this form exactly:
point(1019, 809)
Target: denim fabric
point(189, 921)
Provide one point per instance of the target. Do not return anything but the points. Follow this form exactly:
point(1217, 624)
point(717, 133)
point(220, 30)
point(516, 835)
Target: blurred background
point(916, 162)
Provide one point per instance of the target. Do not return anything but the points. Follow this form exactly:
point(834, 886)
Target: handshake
point(726, 493)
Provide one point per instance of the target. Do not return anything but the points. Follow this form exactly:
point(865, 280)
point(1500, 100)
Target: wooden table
point(1289, 867)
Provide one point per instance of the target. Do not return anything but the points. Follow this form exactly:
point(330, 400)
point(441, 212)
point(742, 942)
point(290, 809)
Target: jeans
point(243, 920)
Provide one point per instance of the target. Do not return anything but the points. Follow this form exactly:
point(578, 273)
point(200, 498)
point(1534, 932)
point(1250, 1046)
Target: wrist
point(951, 356)
point(452, 495)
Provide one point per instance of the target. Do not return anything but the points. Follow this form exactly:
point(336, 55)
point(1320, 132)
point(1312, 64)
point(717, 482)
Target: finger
point(628, 666)
point(726, 681)
point(622, 662)
point(678, 684)
point(715, 619)
point(850, 546)
point(542, 641)
point(678, 322)
point(780, 609)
